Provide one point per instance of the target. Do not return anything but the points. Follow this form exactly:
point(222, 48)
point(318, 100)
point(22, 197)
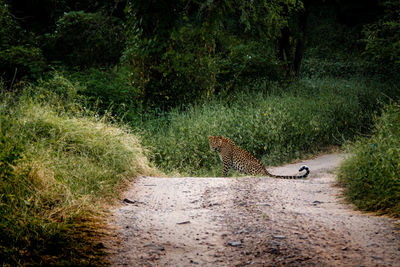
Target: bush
point(274, 126)
point(371, 174)
point(180, 52)
point(86, 39)
point(22, 62)
point(347, 69)
point(56, 170)
point(245, 61)
point(382, 39)
point(109, 91)
point(19, 57)
point(9, 28)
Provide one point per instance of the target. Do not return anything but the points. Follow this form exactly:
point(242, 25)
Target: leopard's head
point(215, 142)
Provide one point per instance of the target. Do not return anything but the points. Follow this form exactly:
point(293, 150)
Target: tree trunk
point(298, 56)
point(284, 50)
point(290, 56)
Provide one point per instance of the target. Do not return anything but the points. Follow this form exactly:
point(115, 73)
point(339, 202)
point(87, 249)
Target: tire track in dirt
point(249, 222)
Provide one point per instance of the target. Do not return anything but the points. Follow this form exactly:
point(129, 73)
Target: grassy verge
point(277, 125)
point(57, 170)
point(371, 176)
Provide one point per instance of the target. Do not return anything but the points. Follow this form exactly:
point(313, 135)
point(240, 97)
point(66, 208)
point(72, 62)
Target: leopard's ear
point(219, 141)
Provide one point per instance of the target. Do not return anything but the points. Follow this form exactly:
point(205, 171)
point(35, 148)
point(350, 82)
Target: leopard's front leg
point(225, 168)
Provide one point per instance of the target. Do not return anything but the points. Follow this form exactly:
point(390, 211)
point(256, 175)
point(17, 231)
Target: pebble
point(274, 251)
point(184, 222)
point(276, 243)
point(279, 236)
point(263, 204)
point(127, 200)
point(234, 243)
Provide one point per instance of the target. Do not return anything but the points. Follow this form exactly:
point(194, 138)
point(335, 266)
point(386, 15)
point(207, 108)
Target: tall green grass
point(371, 175)
point(57, 170)
point(277, 124)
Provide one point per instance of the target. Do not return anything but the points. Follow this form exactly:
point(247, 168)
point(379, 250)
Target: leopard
point(233, 156)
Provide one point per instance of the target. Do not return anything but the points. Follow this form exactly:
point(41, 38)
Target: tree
point(290, 48)
point(183, 50)
point(382, 38)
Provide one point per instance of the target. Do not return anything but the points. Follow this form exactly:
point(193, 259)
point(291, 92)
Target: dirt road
point(249, 221)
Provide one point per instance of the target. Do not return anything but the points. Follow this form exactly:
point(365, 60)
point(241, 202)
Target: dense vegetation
point(57, 166)
point(84, 84)
point(371, 174)
point(276, 125)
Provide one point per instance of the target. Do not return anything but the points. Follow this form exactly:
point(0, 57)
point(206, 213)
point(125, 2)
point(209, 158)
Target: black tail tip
point(304, 167)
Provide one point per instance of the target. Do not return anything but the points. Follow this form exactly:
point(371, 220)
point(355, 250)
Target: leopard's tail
point(302, 168)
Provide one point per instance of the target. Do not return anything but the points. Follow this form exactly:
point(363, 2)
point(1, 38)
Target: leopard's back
point(238, 158)
point(244, 162)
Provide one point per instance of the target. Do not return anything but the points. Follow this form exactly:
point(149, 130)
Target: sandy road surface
point(249, 222)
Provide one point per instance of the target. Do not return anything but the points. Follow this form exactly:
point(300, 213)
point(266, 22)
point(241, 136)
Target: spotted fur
point(233, 156)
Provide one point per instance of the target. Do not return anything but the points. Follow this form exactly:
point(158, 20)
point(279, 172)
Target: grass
point(61, 164)
point(58, 169)
point(276, 123)
point(371, 176)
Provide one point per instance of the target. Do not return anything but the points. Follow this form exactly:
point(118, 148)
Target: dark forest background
point(169, 53)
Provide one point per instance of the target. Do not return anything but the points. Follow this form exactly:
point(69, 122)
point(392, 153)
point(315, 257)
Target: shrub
point(19, 56)
point(9, 28)
point(86, 39)
point(109, 91)
point(56, 90)
point(56, 170)
point(244, 61)
point(180, 52)
point(22, 61)
point(274, 126)
point(371, 174)
point(347, 69)
point(382, 39)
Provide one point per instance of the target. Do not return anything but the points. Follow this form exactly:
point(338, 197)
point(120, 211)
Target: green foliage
point(22, 61)
point(278, 126)
point(333, 48)
point(109, 91)
point(55, 171)
point(328, 37)
point(371, 174)
point(243, 62)
point(19, 58)
point(9, 28)
point(315, 67)
point(383, 38)
point(86, 39)
point(185, 50)
point(57, 91)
